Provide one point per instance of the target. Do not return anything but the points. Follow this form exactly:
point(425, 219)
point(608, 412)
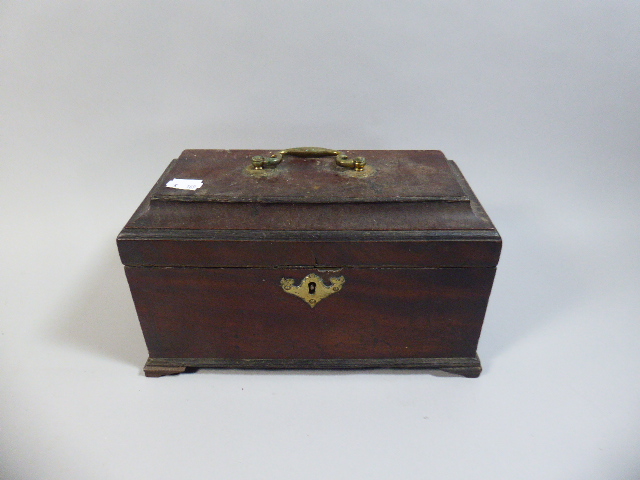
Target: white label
point(185, 184)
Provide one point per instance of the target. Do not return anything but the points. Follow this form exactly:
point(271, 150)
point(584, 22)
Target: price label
point(185, 184)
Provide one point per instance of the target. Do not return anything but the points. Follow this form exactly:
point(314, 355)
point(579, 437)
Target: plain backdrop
point(538, 102)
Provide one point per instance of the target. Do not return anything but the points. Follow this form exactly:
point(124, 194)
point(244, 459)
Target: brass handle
point(259, 162)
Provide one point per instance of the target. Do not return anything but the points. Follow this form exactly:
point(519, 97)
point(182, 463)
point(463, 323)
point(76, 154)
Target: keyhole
point(312, 288)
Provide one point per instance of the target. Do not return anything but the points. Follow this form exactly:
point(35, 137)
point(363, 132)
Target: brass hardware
point(260, 162)
point(312, 289)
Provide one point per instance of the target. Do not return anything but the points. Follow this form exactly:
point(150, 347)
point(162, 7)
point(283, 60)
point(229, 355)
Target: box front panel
point(247, 314)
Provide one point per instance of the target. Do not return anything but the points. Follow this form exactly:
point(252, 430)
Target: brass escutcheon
point(312, 288)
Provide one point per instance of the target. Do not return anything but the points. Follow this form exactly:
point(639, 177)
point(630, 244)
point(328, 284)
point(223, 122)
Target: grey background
point(536, 101)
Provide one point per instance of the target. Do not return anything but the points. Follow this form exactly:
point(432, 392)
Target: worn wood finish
point(416, 248)
point(212, 234)
point(467, 367)
point(395, 176)
point(279, 216)
point(442, 214)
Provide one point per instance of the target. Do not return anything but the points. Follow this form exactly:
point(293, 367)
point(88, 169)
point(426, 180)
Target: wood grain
point(244, 313)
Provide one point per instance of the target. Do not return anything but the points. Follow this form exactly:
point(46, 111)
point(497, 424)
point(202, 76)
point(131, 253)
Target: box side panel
point(246, 314)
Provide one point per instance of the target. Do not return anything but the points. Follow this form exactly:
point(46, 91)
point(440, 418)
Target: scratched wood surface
point(391, 176)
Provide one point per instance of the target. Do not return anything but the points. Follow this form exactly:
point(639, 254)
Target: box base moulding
point(469, 367)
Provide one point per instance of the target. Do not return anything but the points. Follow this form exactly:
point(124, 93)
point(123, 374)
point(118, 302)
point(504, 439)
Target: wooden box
point(311, 258)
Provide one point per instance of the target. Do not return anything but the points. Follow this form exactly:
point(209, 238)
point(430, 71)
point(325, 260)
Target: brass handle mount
point(260, 162)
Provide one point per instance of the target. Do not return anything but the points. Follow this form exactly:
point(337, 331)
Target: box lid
point(277, 216)
point(387, 176)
